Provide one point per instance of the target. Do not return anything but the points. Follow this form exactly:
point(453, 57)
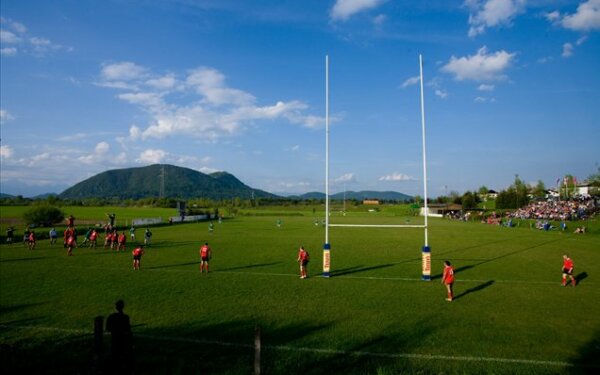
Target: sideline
point(426, 357)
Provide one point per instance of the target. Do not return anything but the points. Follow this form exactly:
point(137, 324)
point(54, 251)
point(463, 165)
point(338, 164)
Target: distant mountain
point(2, 195)
point(358, 195)
point(44, 196)
point(145, 182)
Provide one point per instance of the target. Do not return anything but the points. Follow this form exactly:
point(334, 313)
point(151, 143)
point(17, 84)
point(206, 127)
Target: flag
point(558, 180)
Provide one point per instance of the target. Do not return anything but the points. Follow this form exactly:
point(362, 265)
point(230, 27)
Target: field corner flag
point(326, 259)
point(426, 264)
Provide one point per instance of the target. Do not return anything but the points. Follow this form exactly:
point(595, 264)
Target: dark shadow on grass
point(356, 269)
point(472, 247)
point(21, 259)
point(475, 289)
point(173, 265)
point(580, 277)
point(250, 266)
point(588, 360)
point(464, 268)
point(9, 309)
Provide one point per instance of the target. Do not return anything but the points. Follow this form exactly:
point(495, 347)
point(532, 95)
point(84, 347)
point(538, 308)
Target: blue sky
point(511, 87)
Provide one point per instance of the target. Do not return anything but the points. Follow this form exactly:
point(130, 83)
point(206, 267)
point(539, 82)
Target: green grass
point(373, 316)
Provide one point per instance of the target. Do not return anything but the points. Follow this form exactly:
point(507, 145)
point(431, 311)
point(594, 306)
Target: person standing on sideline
point(121, 347)
point(147, 237)
point(303, 259)
point(567, 270)
point(31, 241)
point(53, 236)
point(10, 234)
point(448, 279)
point(137, 257)
point(132, 233)
point(205, 255)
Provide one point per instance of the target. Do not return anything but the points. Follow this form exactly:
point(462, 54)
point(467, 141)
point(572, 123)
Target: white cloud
point(166, 82)
point(5, 116)
point(345, 178)
point(7, 37)
point(567, 50)
point(397, 177)
point(210, 83)
point(208, 170)
point(217, 110)
point(482, 66)
point(587, 17)
point(379, 20)
point(17, 35)
point(6, 152)
point(8, 51)
point(581, 40)
point(441, 93)
point(295, 148)
point(152, 156)
point(411, 81)
point(481, 99)
point(492, 13)
point(145, 99)
point(123, 71)
point(100, 154)
point(344, 9)
point(484, 87)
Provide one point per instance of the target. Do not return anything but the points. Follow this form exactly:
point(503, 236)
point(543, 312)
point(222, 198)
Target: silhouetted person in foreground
point(121, 340)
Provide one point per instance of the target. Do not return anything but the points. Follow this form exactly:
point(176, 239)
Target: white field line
point(333, 276)
point(427, 357)
point(378, 225)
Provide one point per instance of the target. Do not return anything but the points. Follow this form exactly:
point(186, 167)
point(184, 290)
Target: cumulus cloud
point(15, 37)
point(345, 178)
point(5, 116)
point(100, 154)
point(567, 50)
point(411, 81)
point(6, 152)
point(492, 13)
point(587, 17)
point(482, 66)
point(481, 99)
point(152, 156)
point(123, 71)
point(397, 177)
point(484, 87)
point(344, 9)
point(441, 93)
point(215, 109)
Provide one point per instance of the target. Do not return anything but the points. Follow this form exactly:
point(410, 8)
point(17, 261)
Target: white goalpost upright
point(426, 250)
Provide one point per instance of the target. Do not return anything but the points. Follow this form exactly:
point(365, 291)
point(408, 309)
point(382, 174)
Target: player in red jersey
point(122, 241)
point(567, 270)
point(70, 243)
point(137, 256)
point(205, 256)
point(31, 240)
point(303, 259)
point(448, 279)
point(93, 239)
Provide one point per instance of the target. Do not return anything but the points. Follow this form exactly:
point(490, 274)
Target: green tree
point(470, 200)
point(42, 215)
point(594, 181)
point(539, 191)
point(482, 191)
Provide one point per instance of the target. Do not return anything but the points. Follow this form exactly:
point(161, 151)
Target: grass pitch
point(373, 316)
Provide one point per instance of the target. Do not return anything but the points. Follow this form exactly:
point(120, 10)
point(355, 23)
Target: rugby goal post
point(426, 250)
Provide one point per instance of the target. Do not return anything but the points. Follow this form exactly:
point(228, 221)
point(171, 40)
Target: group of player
point(448, 275)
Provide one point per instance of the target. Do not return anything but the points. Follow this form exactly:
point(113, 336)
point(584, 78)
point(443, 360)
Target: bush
point(43, 216)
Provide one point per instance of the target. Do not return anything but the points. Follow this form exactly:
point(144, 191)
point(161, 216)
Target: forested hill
point(179, 182)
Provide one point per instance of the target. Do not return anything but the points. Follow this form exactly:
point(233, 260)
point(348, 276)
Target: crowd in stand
point(577, 209)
